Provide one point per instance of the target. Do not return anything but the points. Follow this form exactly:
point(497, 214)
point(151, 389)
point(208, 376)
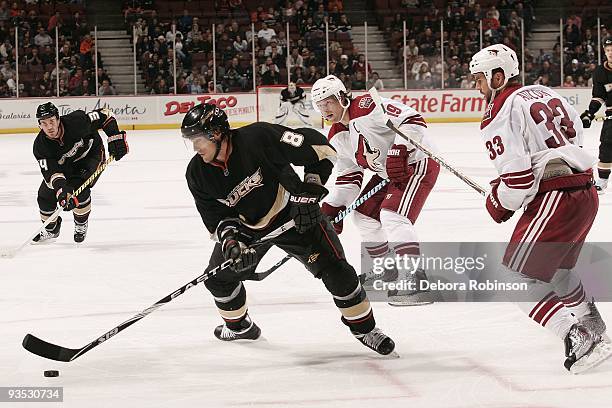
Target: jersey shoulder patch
point(335, 129)
point(361, 106)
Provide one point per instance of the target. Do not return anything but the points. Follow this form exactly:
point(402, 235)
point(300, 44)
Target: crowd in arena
point(301, 58)
point(34, 55)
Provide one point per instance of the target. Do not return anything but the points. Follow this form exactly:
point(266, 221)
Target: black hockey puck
point(51, 373)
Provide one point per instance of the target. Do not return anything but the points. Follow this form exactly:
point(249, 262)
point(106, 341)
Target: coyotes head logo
point(366, 156)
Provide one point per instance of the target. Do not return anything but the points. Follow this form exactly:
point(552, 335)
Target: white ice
point(146, 239)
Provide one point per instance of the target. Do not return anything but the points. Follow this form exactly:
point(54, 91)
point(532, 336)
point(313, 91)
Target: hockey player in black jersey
point(69, 150)
point(244, 187)
point(602, 95)
point(293, 99)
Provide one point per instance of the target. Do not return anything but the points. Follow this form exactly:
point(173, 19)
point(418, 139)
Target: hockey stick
point(376, 97)
point(602, 118)
point(339, 217)
point(54, 352)
point(12, 252)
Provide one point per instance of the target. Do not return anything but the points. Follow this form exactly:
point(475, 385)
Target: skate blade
point(391, 356)
point(600, 353)
point(412, 299)
point(45, 242)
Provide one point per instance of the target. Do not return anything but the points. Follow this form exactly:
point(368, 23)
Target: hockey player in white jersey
point(293, 99)
point(533, 136)
point(364, 142)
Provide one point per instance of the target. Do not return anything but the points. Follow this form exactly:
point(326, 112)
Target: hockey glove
point(231, 236)
point(494, 207)
point(65, 200)
point(587, 118)
point(332, 212)
point(305, 209)
point(118, 145)
point(398, 169)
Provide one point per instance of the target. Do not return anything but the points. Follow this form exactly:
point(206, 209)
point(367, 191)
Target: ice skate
point(377, 341)
point(249, 331)
point(415, 297)
point(584, 349)
point(367, 279)
point(601, 185)
point(80, 231)
point(48, 235)
point(594, 322)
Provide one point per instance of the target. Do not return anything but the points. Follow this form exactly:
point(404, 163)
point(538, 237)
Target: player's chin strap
point(218, 144)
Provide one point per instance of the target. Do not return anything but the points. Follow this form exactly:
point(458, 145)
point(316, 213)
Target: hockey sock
point(44, 216)
point(603, 170)
point(569, 288)
point(82, 211)
point(358, 317)
point(546, 309)
point(233, 308)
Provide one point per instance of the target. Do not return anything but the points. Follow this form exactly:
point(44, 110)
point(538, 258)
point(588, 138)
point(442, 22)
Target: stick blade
point(47, 350)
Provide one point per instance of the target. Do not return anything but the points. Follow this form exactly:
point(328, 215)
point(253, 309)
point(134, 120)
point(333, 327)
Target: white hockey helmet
point(493, 57)
point(325, 87)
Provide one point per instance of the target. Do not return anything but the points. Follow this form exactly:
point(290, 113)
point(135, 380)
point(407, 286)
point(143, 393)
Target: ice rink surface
point(146, 239)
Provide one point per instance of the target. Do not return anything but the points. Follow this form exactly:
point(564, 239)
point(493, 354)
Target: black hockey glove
point(118, 145)
point(586, 118)
point(65, 200)
point(232, 237)
point(305, 209)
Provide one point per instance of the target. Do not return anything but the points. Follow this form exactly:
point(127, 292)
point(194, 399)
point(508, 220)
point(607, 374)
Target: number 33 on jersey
point(525, 128)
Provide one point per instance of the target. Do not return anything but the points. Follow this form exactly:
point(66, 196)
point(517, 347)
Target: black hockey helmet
point(607, 42)
point(203, 120)
point(46, 110)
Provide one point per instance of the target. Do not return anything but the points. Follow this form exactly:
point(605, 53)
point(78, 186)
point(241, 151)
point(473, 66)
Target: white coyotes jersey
point(363, 145)
point(523, 129)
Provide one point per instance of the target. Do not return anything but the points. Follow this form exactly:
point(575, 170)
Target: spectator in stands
point(64, 74)
point(63, 89)
point(4, 11)
point(309, 58)
point(103, 76)
point(295, 60)
point(569, 82)
point(344, 67)
point(358, 82)
point(574, 69)
point(312, 75)
point(86, 51)
point(47, 56)
point(106, 89)
point(359, 65)
point(235, 75)
point(7, 70)
point(375, 81)
point(416, 67)
point(184, 22)
point(424, 78)
point(55, 21)
point(427, 42)
point(344, 26)
point(265, 34)
point(42, 38)
point(297, 75)
point(411, 4)
point(33, 59)
point(240, 45)
point(76, 80)
point(161, 87)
